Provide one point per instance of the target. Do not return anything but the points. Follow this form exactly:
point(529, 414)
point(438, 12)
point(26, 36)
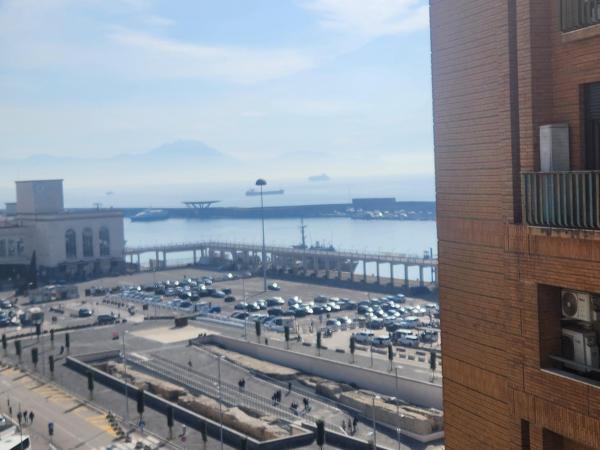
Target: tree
point(34, 357)
point(90, 380)
point(352, 347)
point(432, 363)
point(319, 342)
point(18, 348)
point(170, 420)
point(320, 433)
point(140, 402)
point(257, 326)
point(204, 433)
point(286, 332)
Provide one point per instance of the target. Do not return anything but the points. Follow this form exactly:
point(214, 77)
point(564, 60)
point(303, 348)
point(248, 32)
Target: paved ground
point(76, 424)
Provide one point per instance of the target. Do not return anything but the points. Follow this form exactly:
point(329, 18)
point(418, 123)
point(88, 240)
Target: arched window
point(70, 244)
point(88, 243)
point(104, 238)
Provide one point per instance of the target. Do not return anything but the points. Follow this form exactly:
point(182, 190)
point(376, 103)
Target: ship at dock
point(150, 215)
point(255, 192)
point(320, 263)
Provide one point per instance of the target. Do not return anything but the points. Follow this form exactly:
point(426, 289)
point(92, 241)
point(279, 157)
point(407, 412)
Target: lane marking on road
point(99, 421)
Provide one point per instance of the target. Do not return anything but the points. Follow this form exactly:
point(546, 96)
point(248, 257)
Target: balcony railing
point(576, 14)
point(562, 199)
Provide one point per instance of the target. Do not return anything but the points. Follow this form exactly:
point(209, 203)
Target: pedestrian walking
point(31, 416)
point(19, 417)
point(354, 423)
point(25, 416)
point(190, 363)
point(62, 349)
point(344, 425)
point(10, 411)
point(289, 387)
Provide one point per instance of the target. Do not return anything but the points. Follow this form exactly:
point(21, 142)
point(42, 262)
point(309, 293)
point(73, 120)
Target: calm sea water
point(412, 237)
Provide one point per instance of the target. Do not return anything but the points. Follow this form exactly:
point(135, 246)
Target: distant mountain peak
point(187, 148)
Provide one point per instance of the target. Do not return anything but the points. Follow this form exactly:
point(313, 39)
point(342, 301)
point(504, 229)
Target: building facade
point(516, 97)
point(68, 245)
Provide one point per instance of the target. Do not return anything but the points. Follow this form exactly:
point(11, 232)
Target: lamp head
point(261, 182)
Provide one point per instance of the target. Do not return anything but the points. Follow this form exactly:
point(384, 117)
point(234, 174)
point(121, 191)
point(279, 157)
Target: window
point(88, 243)
point(104, 238)
point(70, 244)
point(12, 248)
point(592, 126)
point(20, 247)
point(2, 248)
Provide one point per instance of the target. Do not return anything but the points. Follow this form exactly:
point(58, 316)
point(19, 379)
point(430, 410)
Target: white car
point(363, 337)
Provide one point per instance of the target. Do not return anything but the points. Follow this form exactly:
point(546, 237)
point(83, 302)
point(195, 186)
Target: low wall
point(417, 392)
point(182, 415)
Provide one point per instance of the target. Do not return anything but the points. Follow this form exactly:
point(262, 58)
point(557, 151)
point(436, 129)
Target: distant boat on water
point(150, 215)
point(322, 177)
point(254, 192)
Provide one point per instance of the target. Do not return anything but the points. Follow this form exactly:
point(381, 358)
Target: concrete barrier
point(420, 393)
point(182, 415)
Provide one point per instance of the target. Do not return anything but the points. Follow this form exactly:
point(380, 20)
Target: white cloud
point(169, 58)
point(158, 21)
point(371, 18)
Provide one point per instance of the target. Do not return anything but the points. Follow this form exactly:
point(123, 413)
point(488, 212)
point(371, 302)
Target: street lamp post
point(374, 423)
point(220, 401)
point(399, 426)
point(126, 383)
point(260, 182)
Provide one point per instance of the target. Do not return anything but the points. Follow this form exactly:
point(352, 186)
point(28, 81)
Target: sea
point(410, 237)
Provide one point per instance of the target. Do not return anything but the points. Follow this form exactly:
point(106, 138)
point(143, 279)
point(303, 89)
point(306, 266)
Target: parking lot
point(409, 318)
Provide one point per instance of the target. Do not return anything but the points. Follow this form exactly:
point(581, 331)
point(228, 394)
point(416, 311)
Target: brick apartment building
point(516, 88)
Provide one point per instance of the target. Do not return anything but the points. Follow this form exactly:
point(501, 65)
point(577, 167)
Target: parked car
point(375, 324)
point(227, 291)
point(241, 305)
point(218, 294)
point(333, 324)
point(230, 299)
point(363, 337)
point(273, 287)
point(106, 319)
point(85, 312)
point(241, 315)
point(275, 301)
point(408, 340)
point(321, 299)
point(275, 311)
point(215, 310)
point(380, 341)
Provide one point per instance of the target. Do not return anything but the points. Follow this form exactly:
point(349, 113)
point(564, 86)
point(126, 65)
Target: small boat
point(255, 192)
point(150, 215)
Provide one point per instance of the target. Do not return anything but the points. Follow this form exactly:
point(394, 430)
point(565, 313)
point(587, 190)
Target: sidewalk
point(76, 425)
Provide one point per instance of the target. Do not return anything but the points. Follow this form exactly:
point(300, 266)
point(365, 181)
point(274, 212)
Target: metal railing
point(562, 199)
point(577, 14)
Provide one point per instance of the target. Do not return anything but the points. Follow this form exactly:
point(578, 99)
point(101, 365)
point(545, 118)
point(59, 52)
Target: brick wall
point(499, 280)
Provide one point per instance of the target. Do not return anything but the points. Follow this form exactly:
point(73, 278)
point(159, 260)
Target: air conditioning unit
point(581, 347)
point(579, 305)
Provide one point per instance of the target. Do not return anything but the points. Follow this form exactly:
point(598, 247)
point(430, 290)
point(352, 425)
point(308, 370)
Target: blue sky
point(251, 78)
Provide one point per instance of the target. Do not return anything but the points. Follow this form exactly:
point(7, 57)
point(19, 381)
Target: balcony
point(562, 199)
point(577, 14)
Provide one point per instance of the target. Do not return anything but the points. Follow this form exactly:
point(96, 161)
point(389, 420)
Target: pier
point(240, 256)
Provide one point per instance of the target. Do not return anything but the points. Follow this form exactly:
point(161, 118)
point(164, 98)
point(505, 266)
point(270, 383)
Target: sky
point(252, 78)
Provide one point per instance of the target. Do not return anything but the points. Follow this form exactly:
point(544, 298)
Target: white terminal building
point(68, 245)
